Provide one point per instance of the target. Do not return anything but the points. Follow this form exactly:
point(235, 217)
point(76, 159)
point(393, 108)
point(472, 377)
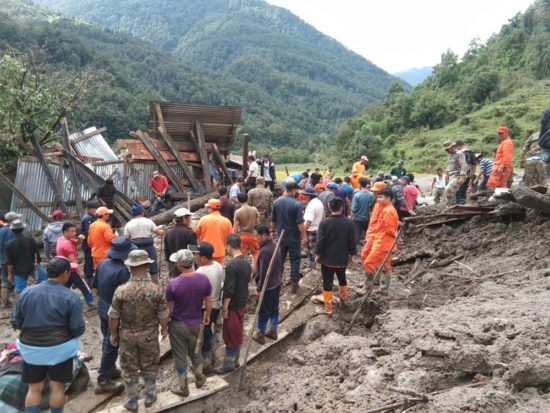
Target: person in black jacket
point(336, 247)
point(267, 170)
point(179, 237)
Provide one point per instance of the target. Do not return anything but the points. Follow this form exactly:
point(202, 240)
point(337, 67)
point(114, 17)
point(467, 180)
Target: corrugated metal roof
point(95, 146)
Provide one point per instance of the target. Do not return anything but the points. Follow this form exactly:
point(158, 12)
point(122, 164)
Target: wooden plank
point(245, 154)
point(88, 135)
point(23, 197)
point(168, 400)
point(114, 162)
point(201, 145)
point(72, 170)
point(125, 176)
point(49, 177)
point(160, 160)
point(221, 161)
point(184, 165)
point(87, 401)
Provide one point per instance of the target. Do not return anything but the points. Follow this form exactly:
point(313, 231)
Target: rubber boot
point(259, 336)
point(272, 332)
point(200, 379)
point(228, 362)
point(181, 389)
point(150, 391)
point(327, 295)
point(343, 294)
point(207, 362)
point(105, 385)
point(130, 401)
point(5, 298)
point(368, 281)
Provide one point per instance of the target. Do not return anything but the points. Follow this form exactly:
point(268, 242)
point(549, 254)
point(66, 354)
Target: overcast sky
point(401, 34)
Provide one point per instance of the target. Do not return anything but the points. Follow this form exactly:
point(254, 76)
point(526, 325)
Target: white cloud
point(400, 34)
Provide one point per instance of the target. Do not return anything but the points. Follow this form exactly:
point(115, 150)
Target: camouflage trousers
point(534, 174)
point(451, 189)
point(139, 352)
point(264, 216)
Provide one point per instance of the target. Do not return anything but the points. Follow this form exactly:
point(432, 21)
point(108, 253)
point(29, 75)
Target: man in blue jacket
point(49, 316)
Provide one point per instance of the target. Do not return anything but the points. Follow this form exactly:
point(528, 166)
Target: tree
point(32, 104)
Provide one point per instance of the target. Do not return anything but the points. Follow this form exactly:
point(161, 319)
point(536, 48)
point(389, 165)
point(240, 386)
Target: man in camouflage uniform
point(457, 169)
point(534, 169)
point(261, 198)
point(138, 307)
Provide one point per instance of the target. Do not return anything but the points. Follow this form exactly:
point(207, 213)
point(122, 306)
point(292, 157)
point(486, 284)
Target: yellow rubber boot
point(327, 295)
point(343, 294)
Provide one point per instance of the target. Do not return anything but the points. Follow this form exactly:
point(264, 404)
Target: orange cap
point(213, 203)
point(378, 186)
point(502, 129)
point(319, 186)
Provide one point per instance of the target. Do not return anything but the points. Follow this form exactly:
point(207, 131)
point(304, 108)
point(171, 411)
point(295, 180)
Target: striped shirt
point(487, 165)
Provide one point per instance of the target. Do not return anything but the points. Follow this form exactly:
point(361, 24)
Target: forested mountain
point(250, 40)
point(129, 72)
point(415, 75)
point(503, 82)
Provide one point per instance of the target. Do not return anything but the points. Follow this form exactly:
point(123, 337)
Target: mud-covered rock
point(529, 372)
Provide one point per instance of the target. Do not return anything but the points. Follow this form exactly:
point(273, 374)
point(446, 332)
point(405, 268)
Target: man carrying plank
point(235, 296)
point(269, 310)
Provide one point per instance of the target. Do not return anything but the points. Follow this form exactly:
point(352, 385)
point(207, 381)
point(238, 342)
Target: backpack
point(544, 137)
point(470, 157)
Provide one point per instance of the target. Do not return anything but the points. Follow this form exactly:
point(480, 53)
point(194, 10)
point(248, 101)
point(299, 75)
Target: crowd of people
point(211, 265)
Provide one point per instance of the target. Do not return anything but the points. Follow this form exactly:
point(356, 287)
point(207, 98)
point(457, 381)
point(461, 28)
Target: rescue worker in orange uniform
point(502, 166)
point(214, 228)
point(380, 236)
point(100, 235)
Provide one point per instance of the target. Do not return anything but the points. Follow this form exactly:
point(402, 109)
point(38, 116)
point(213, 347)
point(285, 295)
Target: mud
point(485, 322)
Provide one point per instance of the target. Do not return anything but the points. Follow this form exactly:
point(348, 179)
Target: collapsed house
point(188, 143)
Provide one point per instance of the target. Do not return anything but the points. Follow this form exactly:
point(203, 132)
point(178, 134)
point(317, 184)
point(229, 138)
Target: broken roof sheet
point(94, 147)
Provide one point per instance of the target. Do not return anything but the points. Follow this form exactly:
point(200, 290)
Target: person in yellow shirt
point(214, 228)
point(360, 167)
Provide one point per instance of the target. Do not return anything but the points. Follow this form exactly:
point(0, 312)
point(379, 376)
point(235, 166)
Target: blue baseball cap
point(137, 208)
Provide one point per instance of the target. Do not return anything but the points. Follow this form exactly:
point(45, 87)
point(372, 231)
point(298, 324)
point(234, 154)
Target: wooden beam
point(163, 164)
point(72, 170)
point(245, 154)
point(23, 197)
point(114, 162)
point(125, 176)
point(203, 154)
point(88, 135)
point(49, 177)
point(184, 165)
point(221, 161)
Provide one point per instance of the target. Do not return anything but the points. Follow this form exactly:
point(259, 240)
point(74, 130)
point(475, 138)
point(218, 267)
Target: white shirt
point(267, 176)
point(314, 213)
point(214, 272)
point(253, 167)
point(139, 228)
point(440, 182)
point(234, 191)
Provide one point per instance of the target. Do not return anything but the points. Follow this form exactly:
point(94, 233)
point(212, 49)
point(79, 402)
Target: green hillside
point(255, 42)
point(503, 82)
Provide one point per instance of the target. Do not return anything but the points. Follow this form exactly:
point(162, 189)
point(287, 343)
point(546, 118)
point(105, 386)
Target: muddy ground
point(477, 331)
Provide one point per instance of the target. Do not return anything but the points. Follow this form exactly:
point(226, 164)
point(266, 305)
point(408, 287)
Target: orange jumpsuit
point(214, 228)
point(358, 168)
point(505, 154)
point(354, 180)
point(100, 235)
point(379, 238)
